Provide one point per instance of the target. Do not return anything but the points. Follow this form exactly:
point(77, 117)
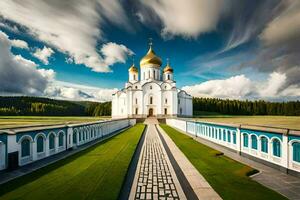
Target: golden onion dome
point(151, 59)
point(133, 69)
point(168, 68)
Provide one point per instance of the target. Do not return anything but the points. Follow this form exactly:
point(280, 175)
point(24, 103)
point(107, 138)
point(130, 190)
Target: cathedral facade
point(152, 92)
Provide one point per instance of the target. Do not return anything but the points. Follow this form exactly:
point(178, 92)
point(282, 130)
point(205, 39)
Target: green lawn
point(95, 173)
point(291, 122)
point(225, 175)
point(18, 121)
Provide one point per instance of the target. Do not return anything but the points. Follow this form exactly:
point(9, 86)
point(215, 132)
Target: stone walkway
point(155, 177)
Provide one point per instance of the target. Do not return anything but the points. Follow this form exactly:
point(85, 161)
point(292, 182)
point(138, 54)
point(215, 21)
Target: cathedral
point(152, 92)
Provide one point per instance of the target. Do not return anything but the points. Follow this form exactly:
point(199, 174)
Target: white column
point(238, 140)
point(56, 143)
point(34, 150)
point(285, 153)
point(69, 136)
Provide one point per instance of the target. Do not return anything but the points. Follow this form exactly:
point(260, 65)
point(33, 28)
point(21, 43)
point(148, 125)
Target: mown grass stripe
point(226, 176)
point(90, 174)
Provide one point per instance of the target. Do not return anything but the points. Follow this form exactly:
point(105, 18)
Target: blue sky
point(218, 48)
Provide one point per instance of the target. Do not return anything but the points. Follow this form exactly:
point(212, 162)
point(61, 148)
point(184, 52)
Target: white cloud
point(114, 53)
point(70, 91)
point(13, 28)
point(72, 27)
point(19, 75)
point(188, 18)
point(20, 44)
point(241, 87)
point(274, 84)
point(235, 87)
point(43, 54)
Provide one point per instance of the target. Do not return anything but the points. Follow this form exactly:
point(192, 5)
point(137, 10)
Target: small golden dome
point(151, 58)
point(168, 68)
point(133, 69)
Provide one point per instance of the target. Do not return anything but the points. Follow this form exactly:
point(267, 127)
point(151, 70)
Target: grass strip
point(227, 176)
point(95, 173)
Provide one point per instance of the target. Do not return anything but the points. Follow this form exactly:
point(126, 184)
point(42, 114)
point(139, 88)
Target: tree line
point(38, 106)
point(238, 107)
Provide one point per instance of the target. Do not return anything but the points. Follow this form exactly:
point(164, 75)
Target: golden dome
point(151, 58)
point(133, 69)
point(168, 68)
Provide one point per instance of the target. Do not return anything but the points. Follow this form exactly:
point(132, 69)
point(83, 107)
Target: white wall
point(211, 132)
point(92, 131)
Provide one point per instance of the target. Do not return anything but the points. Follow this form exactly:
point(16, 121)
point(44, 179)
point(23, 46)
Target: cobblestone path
point(155, 177)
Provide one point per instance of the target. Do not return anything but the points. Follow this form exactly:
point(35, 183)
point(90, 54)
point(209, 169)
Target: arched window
point(25, 146)
point(136, 101)
point(136, 111)
point(296, 151)
point(253, 142)
point(224, 135)
point(220, 134)
point(40, 144)
point(150, 87)
point(51, 141)
point(61, 139)
point(75, 137)
point(166, 100)
point(135, 87)
point(80, 134)
point(264, 144)
point(228, 136)
point(168, 76)
point(276, 148)
point(234, 137)
point(134, 77)
point(166, 111)
point(151, 100)
point(245, 140)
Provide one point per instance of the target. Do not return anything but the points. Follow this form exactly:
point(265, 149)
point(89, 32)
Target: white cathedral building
point(154, 94)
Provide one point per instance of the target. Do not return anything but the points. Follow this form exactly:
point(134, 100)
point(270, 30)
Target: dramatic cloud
point(43, 54)
point(279, 48)
point(72, 27)
point(188, 18)
point(241, 87)
point(285, 27)
point(19, 44)
point(247, 19)
point(19, 75)
point(69, 91)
